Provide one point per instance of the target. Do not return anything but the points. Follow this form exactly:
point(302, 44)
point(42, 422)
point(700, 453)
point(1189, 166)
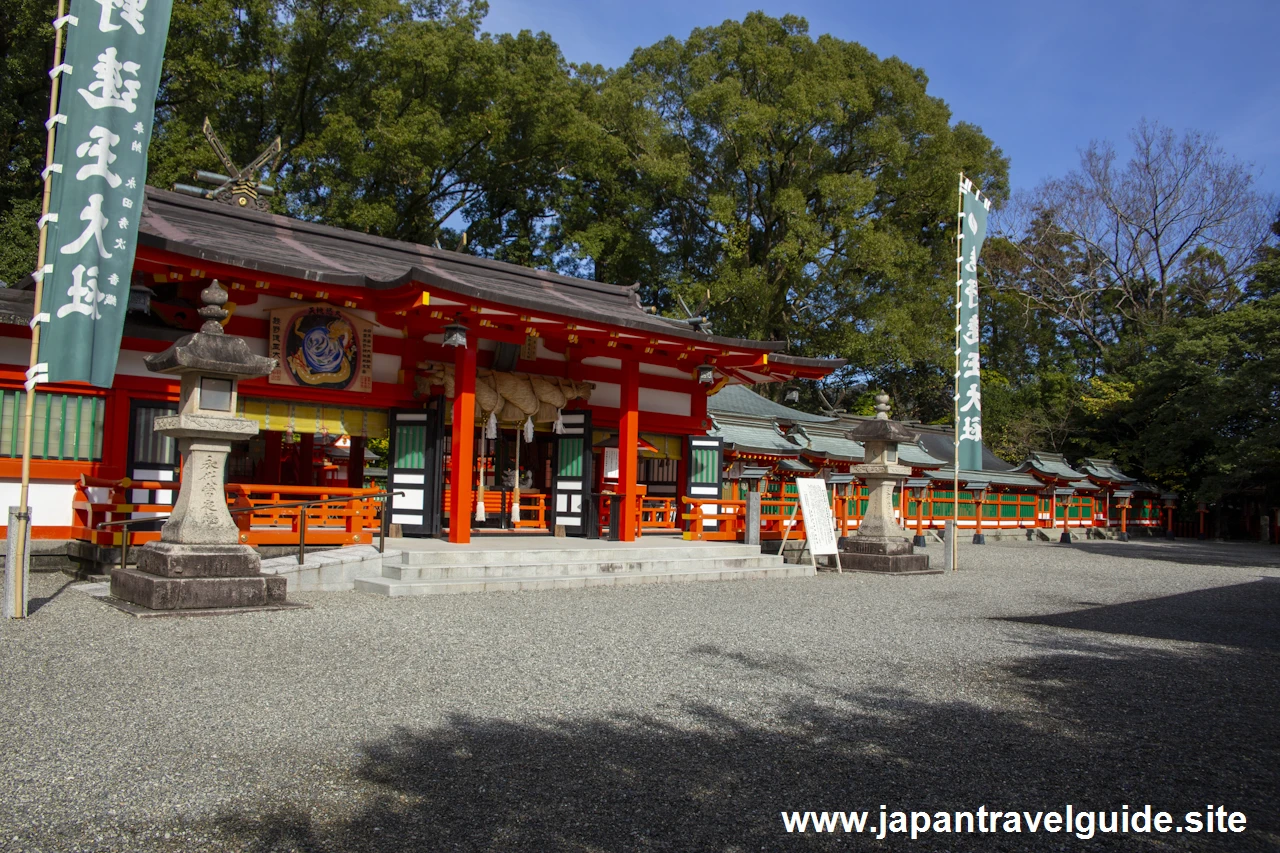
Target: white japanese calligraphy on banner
point(106, 108)
point(968, 380)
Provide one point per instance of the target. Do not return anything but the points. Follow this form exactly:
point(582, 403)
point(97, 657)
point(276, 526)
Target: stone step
point(635, 563)
point(397, 588)
point(603, 553)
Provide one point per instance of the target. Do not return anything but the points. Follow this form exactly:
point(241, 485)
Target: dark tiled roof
point(278, 245)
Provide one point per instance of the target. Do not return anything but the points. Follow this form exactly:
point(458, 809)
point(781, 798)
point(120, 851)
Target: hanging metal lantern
point(455, 335)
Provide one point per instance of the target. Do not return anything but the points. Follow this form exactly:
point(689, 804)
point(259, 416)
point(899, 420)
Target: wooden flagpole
point(28, 418)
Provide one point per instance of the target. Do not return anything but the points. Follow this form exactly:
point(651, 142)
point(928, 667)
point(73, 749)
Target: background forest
point(800, 187)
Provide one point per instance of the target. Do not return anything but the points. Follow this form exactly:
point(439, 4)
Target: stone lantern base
point(883, 557)
point(170, 576)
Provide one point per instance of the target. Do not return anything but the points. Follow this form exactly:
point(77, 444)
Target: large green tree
point(397, 118)
point(26, 53)
point(811, 187)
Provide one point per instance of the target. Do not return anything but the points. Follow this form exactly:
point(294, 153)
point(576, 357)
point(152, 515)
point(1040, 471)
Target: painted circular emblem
point(322, 349)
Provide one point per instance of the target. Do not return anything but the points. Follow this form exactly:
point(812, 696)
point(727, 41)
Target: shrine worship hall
point(510, 400)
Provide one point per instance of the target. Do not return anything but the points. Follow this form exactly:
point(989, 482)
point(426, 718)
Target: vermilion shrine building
point(616, 396)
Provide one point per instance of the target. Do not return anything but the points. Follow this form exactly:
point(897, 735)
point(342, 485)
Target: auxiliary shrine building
point(510, 399)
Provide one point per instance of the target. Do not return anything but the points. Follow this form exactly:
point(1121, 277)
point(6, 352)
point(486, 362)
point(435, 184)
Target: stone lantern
point(752, 475)
point(880, 544)
point(199, 562)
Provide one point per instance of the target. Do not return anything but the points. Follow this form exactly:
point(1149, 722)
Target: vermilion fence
point(355, 522)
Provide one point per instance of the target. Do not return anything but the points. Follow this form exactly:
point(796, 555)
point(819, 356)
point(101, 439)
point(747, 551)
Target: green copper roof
point(1105, 469)
point(741, 400)
point(1050, 465)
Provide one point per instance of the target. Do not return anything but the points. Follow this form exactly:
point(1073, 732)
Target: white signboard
point(819, 524)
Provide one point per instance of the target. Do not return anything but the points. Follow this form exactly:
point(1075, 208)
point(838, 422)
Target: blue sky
point(1049, 77)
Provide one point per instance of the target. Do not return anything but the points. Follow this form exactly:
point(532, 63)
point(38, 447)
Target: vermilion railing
point(351, 523)
point(533, 507)
point(724, 519)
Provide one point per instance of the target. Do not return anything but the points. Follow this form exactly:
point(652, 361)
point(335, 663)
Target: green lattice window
point(411, 446)
point(570, 457)
point(65, 426)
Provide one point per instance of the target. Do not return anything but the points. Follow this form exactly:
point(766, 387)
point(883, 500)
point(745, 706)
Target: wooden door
point(415, 467)
point(705, 467)
point(571, 501)
point(152, 456)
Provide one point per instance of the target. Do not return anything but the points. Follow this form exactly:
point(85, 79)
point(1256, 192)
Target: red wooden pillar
point(628, 447)
point(464, 437)
point(920, 512)
point(116, 437)
point(355, 464)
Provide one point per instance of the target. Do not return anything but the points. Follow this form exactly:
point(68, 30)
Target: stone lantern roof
point(210, 350)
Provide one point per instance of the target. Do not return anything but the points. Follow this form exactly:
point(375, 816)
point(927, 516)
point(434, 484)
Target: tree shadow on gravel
point(1186, 551)
point(1243, 615)
point(1093, 725)
point(34, 604)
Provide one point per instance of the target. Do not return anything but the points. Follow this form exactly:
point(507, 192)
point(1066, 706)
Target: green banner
point(973, 230)
point(106, 109)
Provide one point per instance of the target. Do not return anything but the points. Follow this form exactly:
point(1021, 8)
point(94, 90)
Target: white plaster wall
point(50, 502)
point(131, 363)
point(662, 370)
point(607, 394)
point(666, 402)
point(386, 367)
point(15, 351)
point(601, 361)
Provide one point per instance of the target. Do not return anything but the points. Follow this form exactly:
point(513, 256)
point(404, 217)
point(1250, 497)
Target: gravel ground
point(673, 717)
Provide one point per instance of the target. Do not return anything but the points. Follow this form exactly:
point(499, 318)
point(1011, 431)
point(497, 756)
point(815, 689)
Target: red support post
point(464, 437)
point(920, 512)
point(628, 446)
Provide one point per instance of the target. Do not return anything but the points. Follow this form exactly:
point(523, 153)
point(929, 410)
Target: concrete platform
point(504, 564)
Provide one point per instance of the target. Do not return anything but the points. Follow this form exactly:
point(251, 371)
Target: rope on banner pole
point(28, 418)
